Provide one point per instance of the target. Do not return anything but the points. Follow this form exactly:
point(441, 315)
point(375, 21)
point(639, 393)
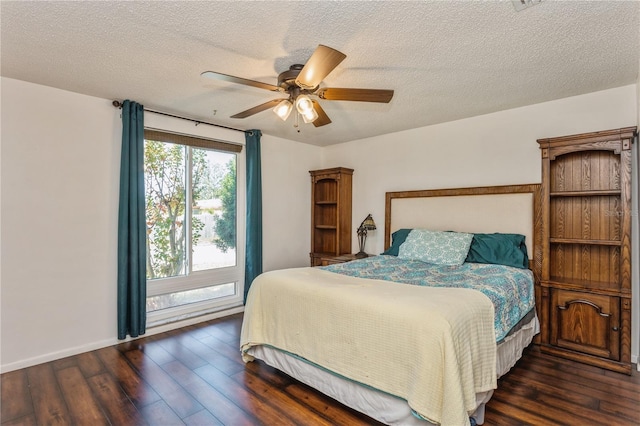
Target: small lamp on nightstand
point(367, 225)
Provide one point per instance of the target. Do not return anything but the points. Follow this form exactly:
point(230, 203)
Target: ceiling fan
point(300, 82)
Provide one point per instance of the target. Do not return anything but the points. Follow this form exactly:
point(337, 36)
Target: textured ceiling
point(445, 60)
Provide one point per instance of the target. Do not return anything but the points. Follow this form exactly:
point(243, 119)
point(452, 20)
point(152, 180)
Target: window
point(195, 252)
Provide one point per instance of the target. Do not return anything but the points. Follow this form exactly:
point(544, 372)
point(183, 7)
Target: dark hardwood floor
point(195, 376)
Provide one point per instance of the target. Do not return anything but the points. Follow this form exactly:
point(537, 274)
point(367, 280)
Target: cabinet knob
point(615, 328)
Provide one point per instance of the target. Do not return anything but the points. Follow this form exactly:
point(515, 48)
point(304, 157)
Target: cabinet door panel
point(587, 323)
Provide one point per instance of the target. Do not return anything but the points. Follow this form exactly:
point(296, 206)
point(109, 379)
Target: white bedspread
point(433, 347)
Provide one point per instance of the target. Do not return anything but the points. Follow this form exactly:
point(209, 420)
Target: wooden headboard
point(507, 209)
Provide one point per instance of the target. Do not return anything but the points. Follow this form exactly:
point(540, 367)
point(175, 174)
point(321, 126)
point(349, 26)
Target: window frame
point(200, 279)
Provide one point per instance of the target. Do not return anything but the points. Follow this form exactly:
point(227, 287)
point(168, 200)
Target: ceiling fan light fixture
point(283, 109)
point(304, 104)
point(310, 116)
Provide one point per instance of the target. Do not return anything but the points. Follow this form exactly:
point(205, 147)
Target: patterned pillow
point(440, 248)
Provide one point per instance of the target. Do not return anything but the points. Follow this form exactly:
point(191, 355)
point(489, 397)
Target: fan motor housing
point(287, 79)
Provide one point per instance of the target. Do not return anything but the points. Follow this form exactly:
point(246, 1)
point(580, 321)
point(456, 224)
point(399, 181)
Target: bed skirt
point(381, 406)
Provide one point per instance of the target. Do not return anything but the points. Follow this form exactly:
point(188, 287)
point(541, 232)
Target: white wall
point(492, 149)
point(59, 175)
point(59, 215)
point(286, 203)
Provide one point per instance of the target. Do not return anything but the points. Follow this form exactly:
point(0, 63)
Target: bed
point(405, 339)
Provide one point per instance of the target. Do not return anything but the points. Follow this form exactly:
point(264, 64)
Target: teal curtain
point(132, 230)
point(253, 253)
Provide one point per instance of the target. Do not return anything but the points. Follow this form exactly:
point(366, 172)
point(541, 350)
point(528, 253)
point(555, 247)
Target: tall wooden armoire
point(586, 253)
point(330, 213)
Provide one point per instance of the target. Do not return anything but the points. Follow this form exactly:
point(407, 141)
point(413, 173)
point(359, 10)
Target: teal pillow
point(499, 249)
point(436, 247)
point(397, 238)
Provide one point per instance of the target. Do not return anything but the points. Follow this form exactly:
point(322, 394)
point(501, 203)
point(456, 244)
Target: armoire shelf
point(579, 241)
point(584, 193)
point(598, 287)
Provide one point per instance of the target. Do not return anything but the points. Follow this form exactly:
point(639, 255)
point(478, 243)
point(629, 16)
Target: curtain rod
point(118, 104)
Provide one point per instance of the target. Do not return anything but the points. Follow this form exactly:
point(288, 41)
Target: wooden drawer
point(327, 259)
point(586, 322)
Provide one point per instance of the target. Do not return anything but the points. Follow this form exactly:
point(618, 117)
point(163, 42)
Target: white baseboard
point(52, 356)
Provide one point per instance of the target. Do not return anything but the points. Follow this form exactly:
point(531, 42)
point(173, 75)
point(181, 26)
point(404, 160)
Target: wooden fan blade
point(238, 80)
point(257, 109)
point(323, 119)
point(323, 60)
point(360, 95)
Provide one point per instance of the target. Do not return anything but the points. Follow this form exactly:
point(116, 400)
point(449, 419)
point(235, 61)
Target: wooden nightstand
point(330, 260)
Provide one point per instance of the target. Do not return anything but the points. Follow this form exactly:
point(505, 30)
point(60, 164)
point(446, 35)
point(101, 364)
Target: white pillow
point(437, 247)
